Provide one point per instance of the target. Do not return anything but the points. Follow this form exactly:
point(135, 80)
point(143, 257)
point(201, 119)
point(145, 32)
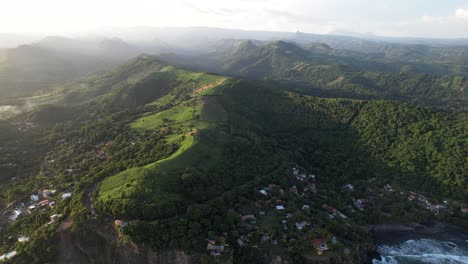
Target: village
point(296, 217)
point(283, 217)
point(47, 199)
point(44, 200)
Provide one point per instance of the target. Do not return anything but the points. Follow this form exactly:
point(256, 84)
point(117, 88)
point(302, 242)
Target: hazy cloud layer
point(421, 18)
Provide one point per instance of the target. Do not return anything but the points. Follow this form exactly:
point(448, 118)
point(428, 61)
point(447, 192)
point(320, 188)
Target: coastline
point(395, 235)
point(389, 234)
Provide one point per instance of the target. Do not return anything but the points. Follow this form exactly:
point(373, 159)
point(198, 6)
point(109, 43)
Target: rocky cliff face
point(95, 243)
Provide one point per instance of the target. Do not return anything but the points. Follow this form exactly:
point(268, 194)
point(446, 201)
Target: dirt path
point(210, 85)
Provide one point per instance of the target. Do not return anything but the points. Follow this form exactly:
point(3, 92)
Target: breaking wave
point(424, 251)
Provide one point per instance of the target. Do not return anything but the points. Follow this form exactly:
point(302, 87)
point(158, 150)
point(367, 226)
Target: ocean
point(419, 251)
point(417, 244)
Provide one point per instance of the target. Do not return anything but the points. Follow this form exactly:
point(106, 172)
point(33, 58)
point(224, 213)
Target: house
point(388, 188)
point(15, 214)
point(301, 177)
point(360, 203)
point(295, 171)
point(279, 207)
point(8, 255)
point(248, 218)
point(265, 237)
point(341, 215)
point(214, 247)
point(320, 245)
point(262, 213)
point(52, 204)
point(433, 208)
point(34, 198)
point(120, 223)
point(215, 250)
point(301, 225)
point(263, 192)
point(47, 193)
point(348, 187)
point(66, 195)
point(54, 218)
point(23, 239)
point(422, 199)
point(464, 210)
point(305, 206)
point(241, 242)
point(44, 202)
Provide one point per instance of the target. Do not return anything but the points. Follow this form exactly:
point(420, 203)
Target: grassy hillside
point(186, 122)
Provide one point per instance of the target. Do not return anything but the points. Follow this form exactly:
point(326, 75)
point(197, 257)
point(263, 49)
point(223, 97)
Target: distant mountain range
point(428, 74)
point(319, 64)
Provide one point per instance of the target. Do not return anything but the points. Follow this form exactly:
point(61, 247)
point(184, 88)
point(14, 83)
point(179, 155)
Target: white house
point(279, 207)
point(66, 195)
point(34, 198)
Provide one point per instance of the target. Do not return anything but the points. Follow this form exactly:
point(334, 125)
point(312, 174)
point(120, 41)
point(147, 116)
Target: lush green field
point(187, 123)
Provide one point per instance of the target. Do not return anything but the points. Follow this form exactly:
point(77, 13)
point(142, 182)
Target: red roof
point(317, 242)
point(120, 223)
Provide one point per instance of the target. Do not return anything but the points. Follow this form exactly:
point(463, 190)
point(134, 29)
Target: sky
point(400, 18)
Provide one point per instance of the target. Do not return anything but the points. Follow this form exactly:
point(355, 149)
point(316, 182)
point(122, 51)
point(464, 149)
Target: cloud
point(461, 13)
point(447, 18)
